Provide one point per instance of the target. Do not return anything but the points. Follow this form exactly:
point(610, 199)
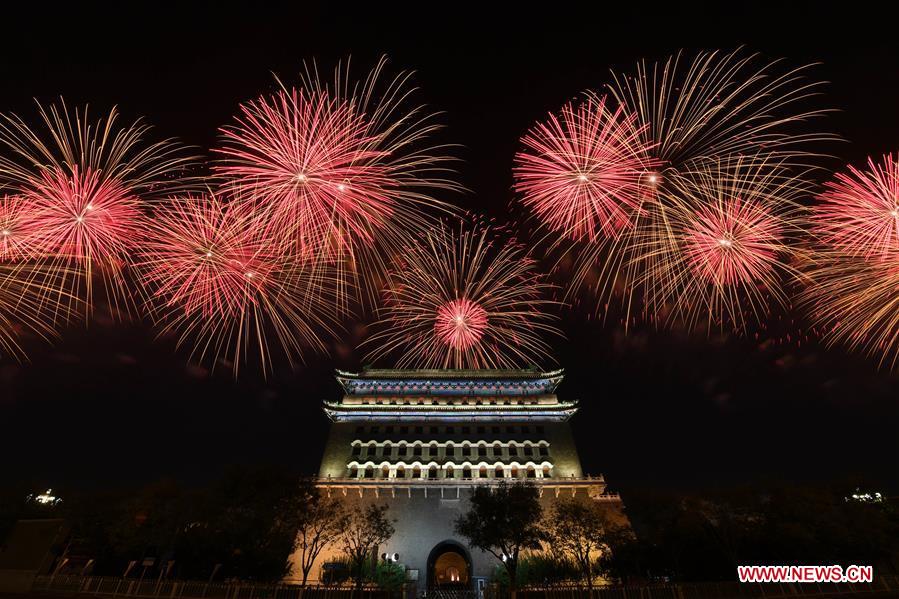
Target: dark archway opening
point(449, 567)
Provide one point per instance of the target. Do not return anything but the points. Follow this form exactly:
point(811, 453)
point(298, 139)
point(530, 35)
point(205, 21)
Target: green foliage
point(390, 575)
point(504, 521)
point(246, 522)
point(539, 569)
point(688, 538)
point(364, 530)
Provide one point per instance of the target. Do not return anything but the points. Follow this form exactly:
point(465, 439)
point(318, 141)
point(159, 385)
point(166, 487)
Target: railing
point(883, 585)
point(583, 481)
point(193, 589)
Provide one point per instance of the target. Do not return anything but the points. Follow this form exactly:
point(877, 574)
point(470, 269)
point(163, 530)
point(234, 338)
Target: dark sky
point(110, 404)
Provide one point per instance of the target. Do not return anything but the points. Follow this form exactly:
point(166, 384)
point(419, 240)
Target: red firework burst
point(82, 217)
point(204, 259)
point(460, 301)
point(460, 324)
point(721, 243)
point(584, 173)
point(342, 171)
point(859, 211)
point(85, 181)
point(734, 241)
point(214, 277)
point(310, 160)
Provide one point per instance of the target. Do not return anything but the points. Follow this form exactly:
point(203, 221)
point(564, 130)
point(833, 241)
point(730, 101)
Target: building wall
point(562, 451)
point(426, 519)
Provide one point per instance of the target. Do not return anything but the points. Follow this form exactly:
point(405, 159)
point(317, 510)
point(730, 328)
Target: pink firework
point(204, 259)
point(214, 277)
point(735, 241)
point(859, 211)
point(585, 172)
point(460, 324)
point(310, 161)
point(722, 242)
point(82, 217)
point(463, 301)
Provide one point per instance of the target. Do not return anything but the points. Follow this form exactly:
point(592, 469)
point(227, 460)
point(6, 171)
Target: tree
point(504, 521)
point(363, 531)
point(319, 522)
point(578, 529)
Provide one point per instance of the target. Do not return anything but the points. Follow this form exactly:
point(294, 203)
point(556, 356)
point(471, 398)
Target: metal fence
point(716, 590)
point(172, 589)
point(192, 589)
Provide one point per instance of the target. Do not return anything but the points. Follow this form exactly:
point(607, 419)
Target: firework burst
point(341, 171)
point(84, 181)
point(720, 111)
point(585, 172)
point(722, 247)
point(216, 280)
point(859, 211)
point(463, 301)
point(855, 292)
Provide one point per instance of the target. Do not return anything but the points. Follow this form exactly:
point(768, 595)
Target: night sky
point(109, 404)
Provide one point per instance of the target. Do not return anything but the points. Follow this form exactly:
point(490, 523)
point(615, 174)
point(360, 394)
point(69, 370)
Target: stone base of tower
point(425, 541)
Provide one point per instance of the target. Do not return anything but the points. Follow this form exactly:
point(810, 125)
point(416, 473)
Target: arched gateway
point(421, 442)
point(449, 566)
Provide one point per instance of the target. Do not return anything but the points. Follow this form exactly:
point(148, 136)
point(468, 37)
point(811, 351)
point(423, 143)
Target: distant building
point(421, 440)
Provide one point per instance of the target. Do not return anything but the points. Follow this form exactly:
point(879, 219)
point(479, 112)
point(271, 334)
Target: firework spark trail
point(854, 301)
point(463, 301)
point(215, 279)
point(859, 211)
point(584, 173)
point(84, 181)
point(16, 228)
point(721, 104)
point(30, 297)
point(344, 169)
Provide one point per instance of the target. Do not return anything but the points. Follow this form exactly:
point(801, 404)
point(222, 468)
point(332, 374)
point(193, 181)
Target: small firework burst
point(213, 277)
point(733, 241)
point(342, 172)
point(723, 245)
point(84, 182)
point(460, 324)
point(462, 301)
point(585, 172)
point(859, 211)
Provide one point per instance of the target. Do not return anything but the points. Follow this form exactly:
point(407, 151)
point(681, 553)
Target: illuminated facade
point(421, 440)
